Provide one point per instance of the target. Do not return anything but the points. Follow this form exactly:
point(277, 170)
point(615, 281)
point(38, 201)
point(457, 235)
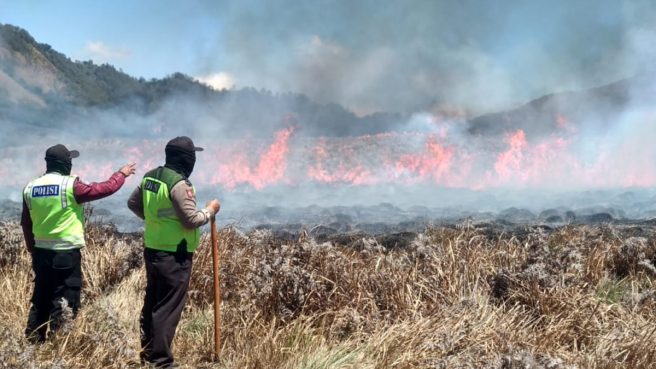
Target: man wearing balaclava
point(166, 200)
point(53, 226)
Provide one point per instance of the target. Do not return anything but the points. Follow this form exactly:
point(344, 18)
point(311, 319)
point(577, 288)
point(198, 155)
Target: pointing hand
point(128, 169)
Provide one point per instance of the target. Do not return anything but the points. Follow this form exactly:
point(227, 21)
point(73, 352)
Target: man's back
point(57, 218)
point(53, 226)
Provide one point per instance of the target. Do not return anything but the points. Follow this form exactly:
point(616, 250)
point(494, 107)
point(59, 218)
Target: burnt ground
point(392, 226)
point(541, 294)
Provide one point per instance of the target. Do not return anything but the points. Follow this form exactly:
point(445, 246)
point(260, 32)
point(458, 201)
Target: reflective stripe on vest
point(57, 218)
point(163, 229)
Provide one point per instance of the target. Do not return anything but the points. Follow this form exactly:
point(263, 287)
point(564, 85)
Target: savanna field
point(461, 296)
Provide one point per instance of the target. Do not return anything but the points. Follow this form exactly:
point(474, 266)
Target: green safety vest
point(57, 218)
point(164, 230)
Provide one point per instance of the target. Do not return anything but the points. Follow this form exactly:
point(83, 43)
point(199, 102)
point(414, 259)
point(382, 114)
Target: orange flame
point(509, 162)
point(403, 158)
point(434, 163)
point(269, 170)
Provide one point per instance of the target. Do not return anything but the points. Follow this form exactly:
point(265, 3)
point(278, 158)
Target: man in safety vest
point(166, 200)
point(53, 226)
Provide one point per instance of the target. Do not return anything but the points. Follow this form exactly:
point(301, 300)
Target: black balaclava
point(58, 159)
point(60, 166)
point(180, 160)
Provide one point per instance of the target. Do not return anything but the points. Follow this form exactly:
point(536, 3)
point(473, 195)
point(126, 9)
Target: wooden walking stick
point(217, 290)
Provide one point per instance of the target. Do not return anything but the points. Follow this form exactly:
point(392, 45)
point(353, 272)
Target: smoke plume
point(592, 131)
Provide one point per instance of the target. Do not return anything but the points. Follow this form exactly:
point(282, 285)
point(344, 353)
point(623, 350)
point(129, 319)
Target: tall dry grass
point(467, 296)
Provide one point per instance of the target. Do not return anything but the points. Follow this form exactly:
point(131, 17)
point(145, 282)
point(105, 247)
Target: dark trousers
point(57, 283)
point(167, 281)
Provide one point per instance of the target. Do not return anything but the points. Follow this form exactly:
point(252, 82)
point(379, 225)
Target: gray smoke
point(437, 62)
point(412, 55)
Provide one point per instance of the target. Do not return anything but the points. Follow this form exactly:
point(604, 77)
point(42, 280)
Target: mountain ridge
point(66, 87)
point(42, 87)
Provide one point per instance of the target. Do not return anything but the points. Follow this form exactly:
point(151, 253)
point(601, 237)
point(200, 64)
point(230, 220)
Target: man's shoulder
point(169, 176)
point(33, 181)
point(183, 191)
point(183, 184)
point(152, 173)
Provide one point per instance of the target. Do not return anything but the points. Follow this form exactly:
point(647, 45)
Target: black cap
point(60, 152)
point(184, 143)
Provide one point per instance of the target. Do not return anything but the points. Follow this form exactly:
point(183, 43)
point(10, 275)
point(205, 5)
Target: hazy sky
point(367, 55)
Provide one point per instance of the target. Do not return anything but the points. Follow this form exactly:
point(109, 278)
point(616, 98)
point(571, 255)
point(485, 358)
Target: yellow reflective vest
point(164, 230)
point(57, 218)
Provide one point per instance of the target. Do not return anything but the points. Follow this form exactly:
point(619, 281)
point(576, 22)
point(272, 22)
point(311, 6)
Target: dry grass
point(458, 297)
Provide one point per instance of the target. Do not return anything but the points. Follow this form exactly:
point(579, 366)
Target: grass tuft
point(465, 296)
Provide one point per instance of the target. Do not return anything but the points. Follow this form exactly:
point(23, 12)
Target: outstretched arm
point(94, 191)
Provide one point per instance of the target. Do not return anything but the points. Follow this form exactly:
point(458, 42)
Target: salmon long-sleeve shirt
point(84, 192)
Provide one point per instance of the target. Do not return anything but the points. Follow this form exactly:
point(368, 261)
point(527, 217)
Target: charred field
point(468, 294)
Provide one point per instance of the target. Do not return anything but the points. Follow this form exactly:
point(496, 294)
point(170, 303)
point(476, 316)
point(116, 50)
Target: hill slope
point(41, 86)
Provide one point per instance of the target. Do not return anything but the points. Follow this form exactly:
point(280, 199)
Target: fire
point(354, 176)
point(546, 162)
point(353, 173)
point(135, 154)
point(441, 158)
point(269, 170)
point(510, 161)
point(434, 163)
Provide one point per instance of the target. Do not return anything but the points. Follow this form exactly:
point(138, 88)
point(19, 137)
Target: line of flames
point(388, 158)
